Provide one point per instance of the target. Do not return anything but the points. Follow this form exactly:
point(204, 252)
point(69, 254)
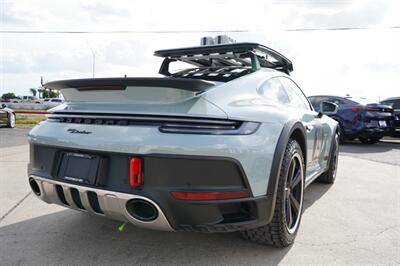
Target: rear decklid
point(150, 96)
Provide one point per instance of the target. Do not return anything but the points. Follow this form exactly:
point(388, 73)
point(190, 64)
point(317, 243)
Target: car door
point(316, 137)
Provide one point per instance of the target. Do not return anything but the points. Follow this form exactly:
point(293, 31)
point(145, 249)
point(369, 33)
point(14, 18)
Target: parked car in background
point(25, 99)
point(394, 102)
point(367, 122)
point(7, 116)
point(52, 102)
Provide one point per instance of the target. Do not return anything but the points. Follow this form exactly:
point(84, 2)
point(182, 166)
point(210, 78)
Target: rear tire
point(329, 176)
point(11, 120)
point(370, 140)
point(282, 229)
point(342, 137)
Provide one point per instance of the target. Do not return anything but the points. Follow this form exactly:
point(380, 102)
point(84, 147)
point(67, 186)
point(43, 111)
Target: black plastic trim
point(76, 198)
point(283, 140)
point(60, 194)
point(94, 202)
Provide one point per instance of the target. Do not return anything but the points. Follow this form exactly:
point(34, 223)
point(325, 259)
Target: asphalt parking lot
point(355, 221)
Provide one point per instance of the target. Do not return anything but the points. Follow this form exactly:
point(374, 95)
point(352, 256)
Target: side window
point(296, 96)
point(336, 101)
point(274, 90)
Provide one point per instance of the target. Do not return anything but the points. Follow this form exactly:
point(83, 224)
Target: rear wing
point(107, 84)
point(247, 56)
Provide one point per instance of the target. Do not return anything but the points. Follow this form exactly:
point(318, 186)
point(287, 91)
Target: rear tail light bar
point(244, 128)
point(136, 173)
point(363, 109)
point(210, 195)
point(177, 125)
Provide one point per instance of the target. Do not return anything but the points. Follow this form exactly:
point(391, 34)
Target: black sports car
point(7, 116)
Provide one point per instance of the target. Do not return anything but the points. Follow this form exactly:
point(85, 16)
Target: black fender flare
point(334, 132)
point(280, 148)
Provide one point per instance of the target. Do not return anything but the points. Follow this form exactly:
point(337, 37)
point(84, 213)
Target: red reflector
point(209, 195)
point(102, 88)
point(136, 177)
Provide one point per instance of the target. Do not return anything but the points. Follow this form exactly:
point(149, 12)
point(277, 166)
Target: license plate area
point(79, 167)
point(382, 123)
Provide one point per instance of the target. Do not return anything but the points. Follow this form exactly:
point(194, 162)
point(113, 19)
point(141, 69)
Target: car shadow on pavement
point(352, 147)
point(71, 237)
point(313, 192)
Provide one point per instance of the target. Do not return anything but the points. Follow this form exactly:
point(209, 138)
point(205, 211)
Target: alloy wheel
point(12, 120)
point(294, 193)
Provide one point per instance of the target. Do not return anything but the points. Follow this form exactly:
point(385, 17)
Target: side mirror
point(3, 105)
point(328, 108)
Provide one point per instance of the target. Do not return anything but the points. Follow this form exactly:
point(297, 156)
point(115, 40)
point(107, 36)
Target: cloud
point(100, 10)
point(26, 15)
point(345, 15)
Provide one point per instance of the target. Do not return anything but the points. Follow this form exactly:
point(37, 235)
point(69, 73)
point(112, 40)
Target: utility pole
point(94, 60)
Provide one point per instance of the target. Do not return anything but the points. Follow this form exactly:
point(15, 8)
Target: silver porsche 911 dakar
point(225, 141)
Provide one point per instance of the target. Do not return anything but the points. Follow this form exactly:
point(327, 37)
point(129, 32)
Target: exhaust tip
point(34, 186)
point(142, 210)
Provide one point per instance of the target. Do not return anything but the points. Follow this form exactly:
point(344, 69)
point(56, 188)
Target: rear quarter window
point(273, 90)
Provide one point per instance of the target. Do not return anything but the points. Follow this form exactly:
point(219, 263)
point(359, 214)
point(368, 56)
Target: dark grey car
point(394, 102)
point(7, 116)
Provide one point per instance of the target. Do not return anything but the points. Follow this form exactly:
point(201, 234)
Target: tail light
point(227, 128)
point(363, 109)
point(136, 173)
point(210, 195)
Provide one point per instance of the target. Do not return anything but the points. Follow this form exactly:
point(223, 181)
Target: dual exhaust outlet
point(139, 209)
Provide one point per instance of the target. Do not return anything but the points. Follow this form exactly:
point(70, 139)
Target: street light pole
point(94, 60)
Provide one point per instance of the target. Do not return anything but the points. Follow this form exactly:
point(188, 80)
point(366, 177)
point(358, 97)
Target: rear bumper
point(368, 132)
point(254, 153)
point(196, 216)
point(162, 174)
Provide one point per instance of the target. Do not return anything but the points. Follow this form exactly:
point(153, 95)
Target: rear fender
point(284, 138)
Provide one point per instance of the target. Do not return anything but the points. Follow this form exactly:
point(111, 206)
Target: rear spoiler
point(187, 84)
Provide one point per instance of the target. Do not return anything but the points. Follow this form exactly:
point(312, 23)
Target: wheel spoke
point(289, 217)
point(296, 179)
point(294, 203)
point(290, 173)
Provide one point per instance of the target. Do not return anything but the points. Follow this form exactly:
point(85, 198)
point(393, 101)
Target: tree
point(33, 91)
point(8, 95)
point(50, 94)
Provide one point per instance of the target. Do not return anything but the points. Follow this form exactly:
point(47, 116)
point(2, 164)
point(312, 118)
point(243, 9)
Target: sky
point(363, 62)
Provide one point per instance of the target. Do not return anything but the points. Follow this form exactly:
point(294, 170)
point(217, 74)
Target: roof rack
point(252, 56)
